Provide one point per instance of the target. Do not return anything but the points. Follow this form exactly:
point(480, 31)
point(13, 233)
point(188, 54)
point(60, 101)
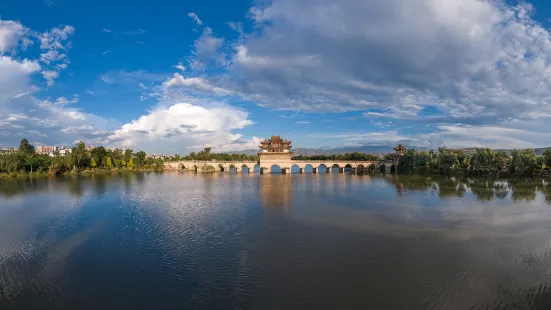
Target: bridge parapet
point(285, 165)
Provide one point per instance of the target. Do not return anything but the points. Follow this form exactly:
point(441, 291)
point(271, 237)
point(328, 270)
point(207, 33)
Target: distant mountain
point(370, 149)
point(538, 151)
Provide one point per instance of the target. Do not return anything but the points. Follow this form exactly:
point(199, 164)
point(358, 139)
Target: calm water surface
point(225, 241)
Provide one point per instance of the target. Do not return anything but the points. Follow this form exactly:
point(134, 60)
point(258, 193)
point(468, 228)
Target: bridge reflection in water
point(276, 192)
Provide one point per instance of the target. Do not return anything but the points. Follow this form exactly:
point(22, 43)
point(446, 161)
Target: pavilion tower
point(275, 149)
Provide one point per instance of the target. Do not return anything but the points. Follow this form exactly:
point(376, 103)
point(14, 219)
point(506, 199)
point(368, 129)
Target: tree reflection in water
point(483, 189)
point(277, 191)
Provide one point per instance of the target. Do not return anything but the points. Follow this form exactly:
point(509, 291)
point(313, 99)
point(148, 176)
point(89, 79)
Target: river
point(298, 241)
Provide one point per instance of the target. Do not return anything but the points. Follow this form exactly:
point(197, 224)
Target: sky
point(176, 76)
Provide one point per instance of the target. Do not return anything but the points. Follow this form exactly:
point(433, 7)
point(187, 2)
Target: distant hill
point(538, 151)
point(370, 149)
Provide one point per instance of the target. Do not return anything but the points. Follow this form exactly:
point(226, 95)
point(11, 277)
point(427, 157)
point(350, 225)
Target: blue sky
point(175, 76)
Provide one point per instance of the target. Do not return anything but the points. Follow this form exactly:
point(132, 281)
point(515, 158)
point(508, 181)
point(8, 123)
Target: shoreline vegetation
point(25, 162)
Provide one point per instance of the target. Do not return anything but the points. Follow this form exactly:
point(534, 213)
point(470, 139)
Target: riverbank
point(41, 174)
point(458, 173)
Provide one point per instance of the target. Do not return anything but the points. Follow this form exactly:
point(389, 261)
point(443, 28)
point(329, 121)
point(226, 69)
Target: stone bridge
point(283, 165)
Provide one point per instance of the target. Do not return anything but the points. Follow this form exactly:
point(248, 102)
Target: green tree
point(447, 159)
point(128, 153)
point(140, 158)
point(109, 162)
point(25, 148)
point(93, 163)
point(501, 160)
point(80, 155)
point(547, 157)
point(123, 163)
point(118, 154)
point(98, 153)
point(130, 163)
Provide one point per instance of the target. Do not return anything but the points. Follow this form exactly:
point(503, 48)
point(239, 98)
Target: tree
point(140, 158)
point(109, 162)
point(128, 154)
point(447, 159)
point(547, 157)
point(25, 148)
point(501, 160)
point(117, 154)
point(93, 163)
point(130, 163)
point(80, 155)
point(98, 153)
point(123, 163)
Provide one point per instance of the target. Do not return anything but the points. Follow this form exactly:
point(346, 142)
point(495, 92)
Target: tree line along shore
point(25, 161)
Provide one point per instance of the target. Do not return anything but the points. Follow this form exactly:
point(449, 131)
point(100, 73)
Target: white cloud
point(54, 47)
point(468, 62)
point(207, 50)
point(130, 77)
point(23, 115)
point(11, 35)
point(180, 66)
point(186, 126)
point(106, 52)
point(50, 76)
point(195, 18)
point(195, 83)
point(106, 30)
point(303, 122)
point(15, 75)
point(465, 58)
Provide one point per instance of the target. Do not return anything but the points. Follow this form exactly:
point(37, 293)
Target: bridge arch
point(245, 168)
point(275, 169)
point(393, 169)
point(335, 168)
point(360, 168)
point(322, 168)
point(348, 168)
point(371, 168)
point(308, 168)
point(222, 168)
point(295, 168)
point(382, 168)
point(256, 168)
point(181, 166)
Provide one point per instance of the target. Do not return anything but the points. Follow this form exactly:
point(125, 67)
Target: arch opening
point(348, 168)
point(221, 167)
point(256, 168)
point(322, 169)
point(360, 169)
point(295, 168)
point(371, 168)
point(382, 169)
point(275, 169)
point(308, 169)
point(335, 168)
point(245, 169)
point(393, 169)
